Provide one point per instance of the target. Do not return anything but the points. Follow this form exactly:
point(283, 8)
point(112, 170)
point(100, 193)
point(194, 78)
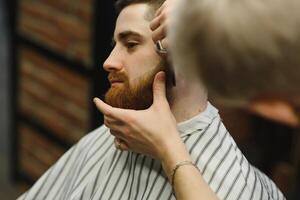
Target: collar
point(198, 122)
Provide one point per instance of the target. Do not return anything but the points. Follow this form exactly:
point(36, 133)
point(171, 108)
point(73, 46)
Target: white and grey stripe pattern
point(95, 169)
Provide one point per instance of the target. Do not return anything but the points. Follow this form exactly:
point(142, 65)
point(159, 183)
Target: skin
point(132, 45)
point(277, 110)
point(134, 129)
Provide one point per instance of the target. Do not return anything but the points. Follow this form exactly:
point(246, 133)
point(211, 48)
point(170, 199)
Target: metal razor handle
point(160, 49)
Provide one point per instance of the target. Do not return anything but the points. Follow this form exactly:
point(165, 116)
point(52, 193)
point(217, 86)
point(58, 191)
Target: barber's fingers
point(158, 26)
point(158, 21)
point(159, 33)
point(121, 144)
point(159, 88)
point(109, 111)
point(103, 107)
point(159, 11)
point(115, 133)
point(112, 123)
point(118, 134)
point(155, 23)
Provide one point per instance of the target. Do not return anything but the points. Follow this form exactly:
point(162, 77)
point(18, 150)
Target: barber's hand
point(150, 132)
point(160, 23)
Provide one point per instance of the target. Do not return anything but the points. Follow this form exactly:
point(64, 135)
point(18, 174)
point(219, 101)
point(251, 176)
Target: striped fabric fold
point(94, 169)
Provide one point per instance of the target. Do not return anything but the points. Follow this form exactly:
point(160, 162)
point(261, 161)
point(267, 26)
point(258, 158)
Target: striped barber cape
point(94, 169)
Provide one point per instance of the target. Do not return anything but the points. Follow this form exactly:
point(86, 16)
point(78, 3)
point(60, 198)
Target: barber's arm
point(153, 132)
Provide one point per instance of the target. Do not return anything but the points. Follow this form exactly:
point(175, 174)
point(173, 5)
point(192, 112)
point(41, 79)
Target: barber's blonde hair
point(240, 48)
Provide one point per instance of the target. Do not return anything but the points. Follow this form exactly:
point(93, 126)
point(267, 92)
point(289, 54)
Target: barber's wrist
point(174, 153)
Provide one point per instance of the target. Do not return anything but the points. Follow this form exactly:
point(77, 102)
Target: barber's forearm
point(190, 185)
point(188, 182)
point(174, 153)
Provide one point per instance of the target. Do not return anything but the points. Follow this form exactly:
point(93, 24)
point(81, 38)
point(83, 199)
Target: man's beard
point(138, 96)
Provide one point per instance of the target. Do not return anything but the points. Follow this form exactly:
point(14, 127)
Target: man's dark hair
point(154, 4)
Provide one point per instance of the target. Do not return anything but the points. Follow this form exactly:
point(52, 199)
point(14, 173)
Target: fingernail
point(161, 76)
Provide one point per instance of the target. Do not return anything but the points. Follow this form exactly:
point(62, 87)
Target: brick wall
point(36, 152)
point(53, 96)
point(64, 26)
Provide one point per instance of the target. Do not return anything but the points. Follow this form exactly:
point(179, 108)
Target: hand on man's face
point(149, 131)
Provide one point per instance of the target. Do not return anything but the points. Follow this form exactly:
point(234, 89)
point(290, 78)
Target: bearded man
point(97, 168)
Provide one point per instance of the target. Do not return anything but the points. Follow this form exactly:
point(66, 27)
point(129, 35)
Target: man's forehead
point(133, 18)
point(143, 9)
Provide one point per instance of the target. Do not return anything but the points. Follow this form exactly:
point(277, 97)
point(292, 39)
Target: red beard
point(138, 96)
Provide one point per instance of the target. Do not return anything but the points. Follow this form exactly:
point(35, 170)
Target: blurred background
point(4, 102)
point(51, 55)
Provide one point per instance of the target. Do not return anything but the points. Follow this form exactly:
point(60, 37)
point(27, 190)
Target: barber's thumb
point(102, 107)
point(159, 87)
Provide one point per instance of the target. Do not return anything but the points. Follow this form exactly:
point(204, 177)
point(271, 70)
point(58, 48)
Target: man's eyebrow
point(123, 35)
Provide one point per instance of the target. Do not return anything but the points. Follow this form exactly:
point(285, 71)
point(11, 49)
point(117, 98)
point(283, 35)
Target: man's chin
point(115, 96)
point(120, 96)
point(137, 95)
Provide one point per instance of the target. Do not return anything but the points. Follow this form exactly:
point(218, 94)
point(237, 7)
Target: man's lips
point(116, 78)
point(114, 82)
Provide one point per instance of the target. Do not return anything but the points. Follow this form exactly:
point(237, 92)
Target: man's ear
point(276, 110)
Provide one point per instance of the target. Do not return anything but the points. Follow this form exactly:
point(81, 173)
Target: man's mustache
point(117, 77)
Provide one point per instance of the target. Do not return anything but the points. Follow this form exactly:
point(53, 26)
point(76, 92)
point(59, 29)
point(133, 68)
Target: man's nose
point(113, 62)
